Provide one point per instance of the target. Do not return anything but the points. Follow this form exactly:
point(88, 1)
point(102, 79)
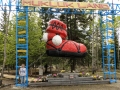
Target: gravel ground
point(114, 86)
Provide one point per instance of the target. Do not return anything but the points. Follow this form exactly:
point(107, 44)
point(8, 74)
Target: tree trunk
point(8, 69)
point(118, 52)
point(6, 26)
point(93, 49)
point(73, 64)
point(46, 68)
point(97, 47)
point(51, 66)
point(5, 36)
point(119, 56)
point(4, 53)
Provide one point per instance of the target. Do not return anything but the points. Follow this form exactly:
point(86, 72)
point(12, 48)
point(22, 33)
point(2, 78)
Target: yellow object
point(111, 51)
point(22, 23)
point(22, 51)
point(58, 4)
point(109, 17)
point(62, 71)
point(21, 32)
point(80, 73)
point(110, 41)
point(95, 77)
point(32, 79)
point(110, 32)
point(21, 40)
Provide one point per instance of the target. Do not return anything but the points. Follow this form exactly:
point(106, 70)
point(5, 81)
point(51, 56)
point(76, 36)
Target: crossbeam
point(64, 4)
point(67, 9)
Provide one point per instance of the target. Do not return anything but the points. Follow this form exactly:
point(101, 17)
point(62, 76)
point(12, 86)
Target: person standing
point(22, 73)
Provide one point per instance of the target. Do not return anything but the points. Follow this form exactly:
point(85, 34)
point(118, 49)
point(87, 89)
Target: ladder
point(108, 46)
point(21, 41)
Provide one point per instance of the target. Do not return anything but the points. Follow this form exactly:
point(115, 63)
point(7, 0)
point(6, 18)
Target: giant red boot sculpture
point(56, 43)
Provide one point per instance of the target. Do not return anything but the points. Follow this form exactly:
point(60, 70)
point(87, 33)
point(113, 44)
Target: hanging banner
point(63, 4)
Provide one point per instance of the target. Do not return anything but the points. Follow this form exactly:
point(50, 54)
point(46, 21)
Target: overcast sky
point(114, 1)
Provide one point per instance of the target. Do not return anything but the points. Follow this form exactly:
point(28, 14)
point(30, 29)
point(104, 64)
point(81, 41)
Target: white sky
point(114, 1)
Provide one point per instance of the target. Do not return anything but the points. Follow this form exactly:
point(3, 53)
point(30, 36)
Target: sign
point(63, 4)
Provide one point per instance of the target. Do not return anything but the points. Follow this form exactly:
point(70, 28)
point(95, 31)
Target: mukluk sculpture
point(57, 44)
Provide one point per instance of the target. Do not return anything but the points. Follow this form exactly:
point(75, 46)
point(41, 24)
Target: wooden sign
point(64, 4)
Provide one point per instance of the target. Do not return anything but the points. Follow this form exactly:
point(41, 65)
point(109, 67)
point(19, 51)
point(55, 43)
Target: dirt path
point(114, 86)
point(80, 87)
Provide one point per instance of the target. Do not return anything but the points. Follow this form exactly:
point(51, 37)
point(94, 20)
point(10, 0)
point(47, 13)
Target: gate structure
point(107, 13)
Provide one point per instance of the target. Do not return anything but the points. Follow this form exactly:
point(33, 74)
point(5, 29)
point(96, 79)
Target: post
point(93, 51)
point(118, 51)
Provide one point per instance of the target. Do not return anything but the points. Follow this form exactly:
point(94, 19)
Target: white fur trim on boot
point(45, 37)
point(57, 40)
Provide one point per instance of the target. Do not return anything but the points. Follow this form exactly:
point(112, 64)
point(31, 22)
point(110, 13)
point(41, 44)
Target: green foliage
point(1, 47)
point(11, 43)
point(3, 35)
point(116, 27)
point(36, 46)
point(11, 47)
point(78, 30)
point(117, 22)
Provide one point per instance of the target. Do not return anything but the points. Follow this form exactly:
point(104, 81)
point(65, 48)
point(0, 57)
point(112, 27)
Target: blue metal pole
point(16, 44)
point(27, 44)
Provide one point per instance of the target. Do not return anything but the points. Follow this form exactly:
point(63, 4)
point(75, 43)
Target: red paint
point(66, 45)
point(105, 6)
point(52, 5)
point(44, 3)
point(38, 4)
point(68, 4)
point(26, 2)
point(79, 5)
point(97, 5)
point(65, 4)
point(59, 5)
point(89, 5)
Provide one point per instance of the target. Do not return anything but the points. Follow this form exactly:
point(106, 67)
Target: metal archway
point(107, 16)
